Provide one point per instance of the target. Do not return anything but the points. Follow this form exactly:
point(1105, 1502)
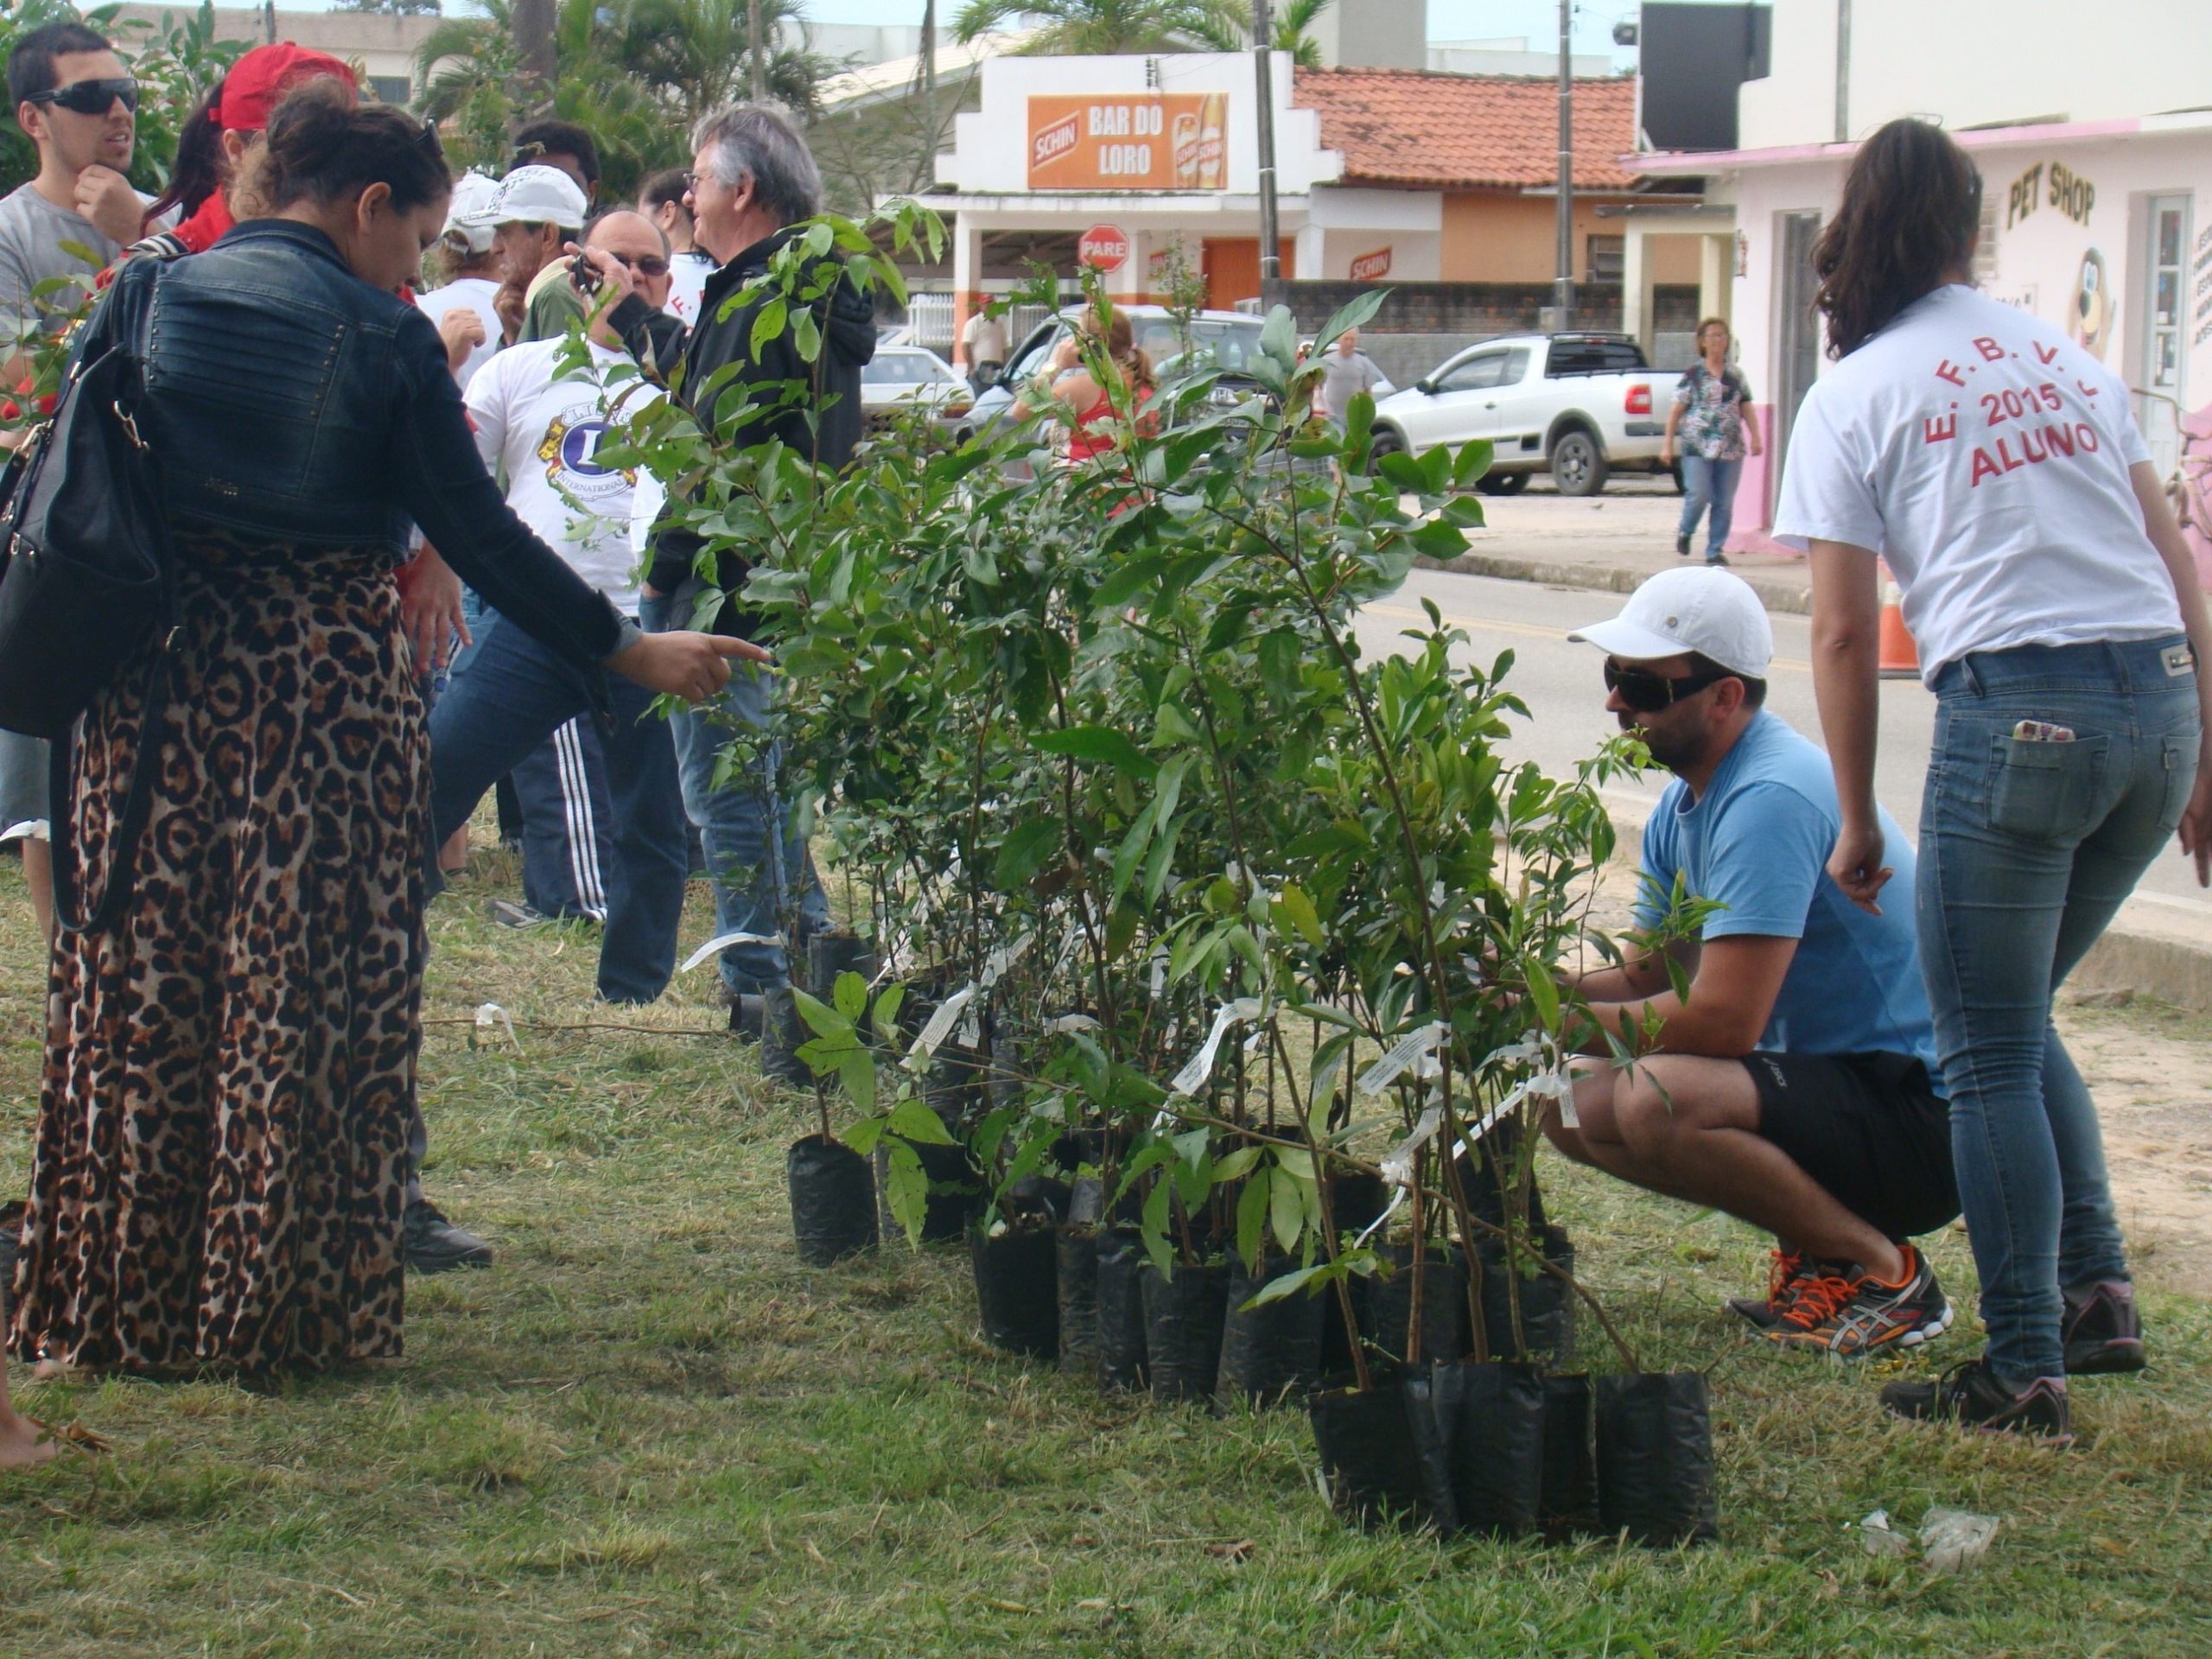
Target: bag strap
point(153, 723)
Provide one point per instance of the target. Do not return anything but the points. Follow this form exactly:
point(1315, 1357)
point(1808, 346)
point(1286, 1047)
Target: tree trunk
point(533, 26)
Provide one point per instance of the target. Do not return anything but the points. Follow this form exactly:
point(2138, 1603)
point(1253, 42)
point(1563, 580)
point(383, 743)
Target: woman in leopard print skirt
point(231, 1067)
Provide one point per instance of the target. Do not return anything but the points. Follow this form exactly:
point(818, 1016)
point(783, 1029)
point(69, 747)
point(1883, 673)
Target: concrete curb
point(1791, 599)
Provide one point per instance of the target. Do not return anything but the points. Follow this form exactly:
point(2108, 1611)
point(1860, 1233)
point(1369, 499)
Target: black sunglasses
point(90, 97)
point(1646, 692)
point(645, 264)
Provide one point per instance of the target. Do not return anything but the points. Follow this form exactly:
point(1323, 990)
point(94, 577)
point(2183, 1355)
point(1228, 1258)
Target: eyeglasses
point(90, 97)
point(1646, 692)
point(644, 265)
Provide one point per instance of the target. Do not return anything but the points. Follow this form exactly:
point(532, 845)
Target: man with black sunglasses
point(1792, 1082)
point(73, 97)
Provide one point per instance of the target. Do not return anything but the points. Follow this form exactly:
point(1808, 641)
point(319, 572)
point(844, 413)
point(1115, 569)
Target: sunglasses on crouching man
point(1646, 692)
point(90, 97)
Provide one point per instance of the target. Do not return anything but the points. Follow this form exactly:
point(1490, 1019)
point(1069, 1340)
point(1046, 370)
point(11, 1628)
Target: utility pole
point(1843, 71)
point(1563, 297)
point(759, 52)
point(929, 69)
point(1264, 111)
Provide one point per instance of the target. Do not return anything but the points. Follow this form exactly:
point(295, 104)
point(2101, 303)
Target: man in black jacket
point(752, 182)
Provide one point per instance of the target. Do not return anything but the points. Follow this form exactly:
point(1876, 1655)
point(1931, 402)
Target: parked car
point(898, 378)
point(1585, 406)
point(1227, 340)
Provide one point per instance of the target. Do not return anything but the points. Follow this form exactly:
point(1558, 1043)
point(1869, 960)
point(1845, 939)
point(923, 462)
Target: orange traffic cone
point(1900, 658)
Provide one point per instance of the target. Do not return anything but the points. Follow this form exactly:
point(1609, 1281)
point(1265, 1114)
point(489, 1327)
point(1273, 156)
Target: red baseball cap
point(259, 81)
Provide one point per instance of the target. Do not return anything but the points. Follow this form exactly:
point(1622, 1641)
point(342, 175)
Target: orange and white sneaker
point(1785, 1269)
point(1847, 1312)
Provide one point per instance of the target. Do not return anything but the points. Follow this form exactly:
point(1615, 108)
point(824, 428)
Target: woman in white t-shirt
point(1994, 464)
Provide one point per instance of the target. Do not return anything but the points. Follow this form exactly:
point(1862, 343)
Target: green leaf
point(1127, 580)
point(1285, 1209)
point(806, 334)
point(1279, 338)
point(820, 1017)
point(912, 1120)
point(850, 995)
point(1438, 540)
point(768, 323)
point(1099, 743)
point(1356, 314)
point(1294, 911)
point(1543, 993)
point(907, 1188)
point(856, 1068)
point(1288, 1284)
point(1252, 1219)
point(1471, 462)
point(1236, 1166)
point(887, 1014)
point(1401, 470)
point(1025, 852)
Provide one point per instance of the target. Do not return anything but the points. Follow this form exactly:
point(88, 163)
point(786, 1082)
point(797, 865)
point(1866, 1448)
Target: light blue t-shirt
point(1758, 843)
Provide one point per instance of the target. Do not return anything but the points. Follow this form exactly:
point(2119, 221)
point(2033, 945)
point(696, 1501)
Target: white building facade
point(2096, 206)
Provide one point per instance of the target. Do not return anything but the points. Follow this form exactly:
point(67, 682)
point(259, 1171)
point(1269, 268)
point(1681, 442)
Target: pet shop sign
point(2053, 184)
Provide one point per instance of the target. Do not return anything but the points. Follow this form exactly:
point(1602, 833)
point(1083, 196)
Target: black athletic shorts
point(1866, 1127)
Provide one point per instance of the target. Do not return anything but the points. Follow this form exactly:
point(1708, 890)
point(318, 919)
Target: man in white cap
point(1793, 1083)
point(536, 211)
point(473, 268)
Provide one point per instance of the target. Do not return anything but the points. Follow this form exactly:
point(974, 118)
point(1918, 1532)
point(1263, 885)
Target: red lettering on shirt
point(1983, 467)
point(1949, 371)
point(2085, 387)
point(1939, 429)
point(2046, 355)
point(2038, 444)
point(1990, 350)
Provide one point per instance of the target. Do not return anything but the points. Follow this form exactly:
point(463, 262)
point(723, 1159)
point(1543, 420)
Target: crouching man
point(1794, 1085)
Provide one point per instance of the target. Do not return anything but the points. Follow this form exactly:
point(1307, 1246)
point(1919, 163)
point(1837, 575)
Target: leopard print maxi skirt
point(222, 1135)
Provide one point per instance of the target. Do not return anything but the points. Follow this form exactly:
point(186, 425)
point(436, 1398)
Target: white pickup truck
point(1586, 406)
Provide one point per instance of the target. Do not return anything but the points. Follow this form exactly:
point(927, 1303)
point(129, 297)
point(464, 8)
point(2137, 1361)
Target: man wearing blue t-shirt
point(1794, 1084)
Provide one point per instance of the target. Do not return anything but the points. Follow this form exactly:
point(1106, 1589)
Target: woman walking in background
point(1997, 468)
point(231, 1069)
point(1715, 435)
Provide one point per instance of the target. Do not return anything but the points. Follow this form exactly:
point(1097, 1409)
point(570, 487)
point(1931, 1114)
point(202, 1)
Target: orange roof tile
point(1399, 126)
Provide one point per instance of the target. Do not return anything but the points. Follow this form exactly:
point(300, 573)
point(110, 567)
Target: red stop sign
point(1105, 247)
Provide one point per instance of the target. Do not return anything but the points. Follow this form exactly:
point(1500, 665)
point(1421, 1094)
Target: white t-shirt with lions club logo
point(543, 430)
point(1984, 455)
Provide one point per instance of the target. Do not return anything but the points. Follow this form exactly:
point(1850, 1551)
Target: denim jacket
point(286, 399)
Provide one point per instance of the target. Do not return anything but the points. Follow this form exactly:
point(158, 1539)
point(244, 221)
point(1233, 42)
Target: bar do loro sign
point(1136, 141)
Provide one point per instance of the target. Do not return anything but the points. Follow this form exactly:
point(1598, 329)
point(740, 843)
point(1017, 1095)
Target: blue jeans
point(2027, 849)
point(763, 876)
point(507, 700)
point(1707, 483)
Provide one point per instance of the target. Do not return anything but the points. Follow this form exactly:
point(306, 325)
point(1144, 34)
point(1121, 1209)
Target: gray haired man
point(753, 183)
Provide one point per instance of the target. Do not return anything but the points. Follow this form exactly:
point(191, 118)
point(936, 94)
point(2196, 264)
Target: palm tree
point(1227, 26)
point(697, 56)
point(1090, 27)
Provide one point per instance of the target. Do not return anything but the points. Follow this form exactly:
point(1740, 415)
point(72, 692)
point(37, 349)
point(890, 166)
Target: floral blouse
point(1711, 425)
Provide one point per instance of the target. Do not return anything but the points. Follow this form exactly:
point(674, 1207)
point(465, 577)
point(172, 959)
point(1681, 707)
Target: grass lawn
point(649, 1430)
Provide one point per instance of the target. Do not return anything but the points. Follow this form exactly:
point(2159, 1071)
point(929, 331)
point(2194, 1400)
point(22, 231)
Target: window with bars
point(1604, 258)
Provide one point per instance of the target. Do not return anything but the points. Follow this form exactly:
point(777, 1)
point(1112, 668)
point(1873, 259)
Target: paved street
point(1559, 683)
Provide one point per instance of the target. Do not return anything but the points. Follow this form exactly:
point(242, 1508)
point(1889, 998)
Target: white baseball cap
point(533, 195)
point(472, 193)
point(1696, 608)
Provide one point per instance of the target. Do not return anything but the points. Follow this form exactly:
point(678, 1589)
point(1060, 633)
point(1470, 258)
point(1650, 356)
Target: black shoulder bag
point(89, 580)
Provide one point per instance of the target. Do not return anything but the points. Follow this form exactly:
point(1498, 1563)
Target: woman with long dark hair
point(1995, 465)
point(231, 1068)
